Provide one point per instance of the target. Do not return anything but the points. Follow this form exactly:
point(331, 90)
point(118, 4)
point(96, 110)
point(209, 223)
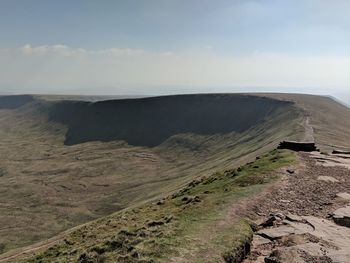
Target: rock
point(271, 260)
point(345, 196)
point(260, 259)
point(300, 228)
point(260, 214)
point(265, 253)
point(276, 233)
point(295, 218)
point(284, 201)
point(197, 199)
point(190, 199)
point(280, 216)
point(168, 219)
point(290, 171)
point(273, 220)
point(313, 249)
point(155, 223)
point(259, 240)
point(337, 236)
point(268, 222)
point(327, 179)
point(342, 216)
point(187, 199)
point(284, 255)
point(160, 202)
point(285, 230)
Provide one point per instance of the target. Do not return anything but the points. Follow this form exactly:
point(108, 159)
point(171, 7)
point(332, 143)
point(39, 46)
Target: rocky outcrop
point(318, 238)
point(342, 216)
point(340, 152)
point(344, 196)
point(298, 146)
point(316, 209)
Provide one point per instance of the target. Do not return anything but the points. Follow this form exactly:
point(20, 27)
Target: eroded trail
point(307, 218)
point(309, 131)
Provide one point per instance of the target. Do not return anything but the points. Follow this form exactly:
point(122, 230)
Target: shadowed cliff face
point(150, 121)
point(13, 102)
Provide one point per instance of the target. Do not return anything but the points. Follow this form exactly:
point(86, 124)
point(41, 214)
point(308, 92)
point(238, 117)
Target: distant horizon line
point(139, 96)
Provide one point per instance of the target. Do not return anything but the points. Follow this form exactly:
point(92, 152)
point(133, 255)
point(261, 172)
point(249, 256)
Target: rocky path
point(309, 131)
point(308, 218)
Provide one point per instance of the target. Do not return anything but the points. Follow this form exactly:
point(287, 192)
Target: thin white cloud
point(119, 52)
point(65, 50)
point(49, 49)
point(52, 68)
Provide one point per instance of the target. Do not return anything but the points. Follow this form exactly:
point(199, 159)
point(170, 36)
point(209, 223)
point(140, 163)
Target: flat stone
point(299, 228)
point(342, 216)
point(313, 249)
point(295, 218)
point(285, 230)
point(284, 255)
point(337, 236)
point(327, 179)
point(344, 195)
point(278, 232)
point(259, 240)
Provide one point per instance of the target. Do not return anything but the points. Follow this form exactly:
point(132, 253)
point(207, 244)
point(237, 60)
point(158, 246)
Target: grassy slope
point(47, 187)
point(191, 225)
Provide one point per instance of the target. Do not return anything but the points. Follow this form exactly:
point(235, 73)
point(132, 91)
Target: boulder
point(342, 216)
point(274, 219)
point(259, 240)
point(344, 196)
point(295, 218)
point(276, 233)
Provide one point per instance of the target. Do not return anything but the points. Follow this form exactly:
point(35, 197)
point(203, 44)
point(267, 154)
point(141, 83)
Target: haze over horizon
point(167, 47)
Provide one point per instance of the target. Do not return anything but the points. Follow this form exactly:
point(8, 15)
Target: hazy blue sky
point(171, 46)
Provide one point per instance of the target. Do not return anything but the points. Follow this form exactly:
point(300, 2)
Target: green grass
point(195, 223)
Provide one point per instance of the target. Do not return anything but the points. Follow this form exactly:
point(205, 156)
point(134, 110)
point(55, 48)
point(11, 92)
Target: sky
point(152, 47)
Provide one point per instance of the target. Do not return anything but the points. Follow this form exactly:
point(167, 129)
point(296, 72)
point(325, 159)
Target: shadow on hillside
point(150, 121)
point(14, 102)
